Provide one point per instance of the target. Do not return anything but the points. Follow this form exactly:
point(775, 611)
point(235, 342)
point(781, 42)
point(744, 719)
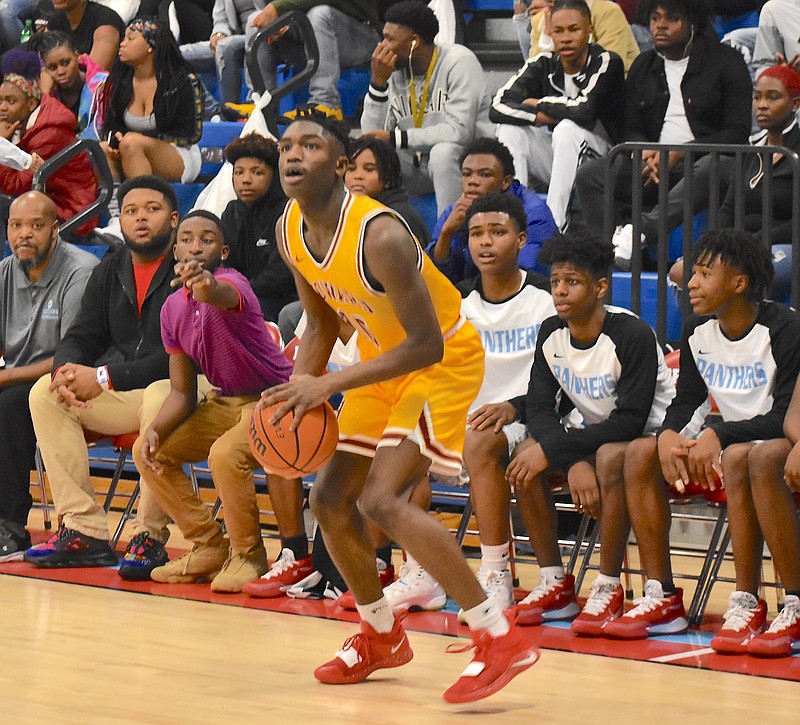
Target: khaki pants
point(217, 430)
point(59, 432)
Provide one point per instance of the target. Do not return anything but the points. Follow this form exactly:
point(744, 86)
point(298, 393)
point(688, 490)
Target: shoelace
point(599, 599)
point(407, 576)
point(644, 604)
point(479, 644)
point(738, 618)
point(541, 590)
point(139, 544)
point(786, 618)
point(281, 565)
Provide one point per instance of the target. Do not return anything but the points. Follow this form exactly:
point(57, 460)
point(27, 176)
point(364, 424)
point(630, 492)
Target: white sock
point(487, 616)
point(610, 580)
point(494, 558)
point(552, 573)
point(378, 615)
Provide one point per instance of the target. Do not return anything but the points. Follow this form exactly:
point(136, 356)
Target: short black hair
point(582, 248)
point(493, 147)
point(499, 202)
point(206, 215)
point(579, 5)
point(330, 125)
point(697, 12)
point(416, 16)
point(148, 181)
point(253, 146)
point(386, 157)
point(742, 251)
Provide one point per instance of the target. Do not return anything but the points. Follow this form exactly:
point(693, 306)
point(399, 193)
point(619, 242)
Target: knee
point(377, 506)
point(609, 463)
point(767, 459)
point(640, 456)
point(40, 396)
point(132, 143)
point(566, 132)
point(320, 16)
point(325, 502)
point(482, 446)
point(228, 453)
point(443, 156)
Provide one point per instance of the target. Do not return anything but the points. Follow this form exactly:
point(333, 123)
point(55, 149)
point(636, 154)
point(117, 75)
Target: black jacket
point(108, 328)
point(602, 86)
point(717, 95)
point(250, 234)
point(781, 193)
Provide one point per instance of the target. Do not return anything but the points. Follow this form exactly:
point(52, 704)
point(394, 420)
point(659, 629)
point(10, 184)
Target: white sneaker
point(498, 586)
point(414, 590)
point(314, 586)
point(623, 246)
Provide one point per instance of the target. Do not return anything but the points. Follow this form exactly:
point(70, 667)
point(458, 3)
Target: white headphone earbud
point(413, 44)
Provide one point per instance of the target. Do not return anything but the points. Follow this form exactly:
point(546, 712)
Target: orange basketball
point(292, 453)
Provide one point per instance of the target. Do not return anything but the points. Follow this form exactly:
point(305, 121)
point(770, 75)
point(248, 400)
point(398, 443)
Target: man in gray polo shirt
point(41, 286)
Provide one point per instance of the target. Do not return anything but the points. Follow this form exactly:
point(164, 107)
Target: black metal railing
point(737, 177)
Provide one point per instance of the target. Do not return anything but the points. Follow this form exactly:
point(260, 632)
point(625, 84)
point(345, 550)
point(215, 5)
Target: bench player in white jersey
point(604, 364)
point(743, 352)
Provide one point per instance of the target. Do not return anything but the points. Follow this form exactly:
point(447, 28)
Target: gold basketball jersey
point(341, 281)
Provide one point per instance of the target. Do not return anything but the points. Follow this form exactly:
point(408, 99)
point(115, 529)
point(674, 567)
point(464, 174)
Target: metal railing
point(737, 177)
point(105, 181)
point(296, 21)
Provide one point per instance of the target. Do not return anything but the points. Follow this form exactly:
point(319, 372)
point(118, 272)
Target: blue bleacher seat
point(353, 85)
point(676, 235)
point(724, 24)
point(426, 206)
point(621, 297)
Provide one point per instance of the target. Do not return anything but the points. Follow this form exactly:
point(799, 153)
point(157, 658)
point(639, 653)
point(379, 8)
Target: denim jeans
point(227, 61)
point(10, 25)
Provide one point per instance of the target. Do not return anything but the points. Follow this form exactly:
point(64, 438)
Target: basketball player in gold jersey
point(404, 409)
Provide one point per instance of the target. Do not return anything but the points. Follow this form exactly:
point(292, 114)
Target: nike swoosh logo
point(704, 352)
point(261, 243)
point(555, 354)
point(395, 649)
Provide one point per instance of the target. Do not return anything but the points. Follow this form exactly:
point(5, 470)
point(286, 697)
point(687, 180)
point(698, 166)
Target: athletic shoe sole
point(74, 562)
point(513, 670)
point(16, 556)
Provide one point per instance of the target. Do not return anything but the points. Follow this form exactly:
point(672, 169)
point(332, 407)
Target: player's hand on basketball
point(791, 471)
point(584, 489)
point(301, 394)
point(76, 385)
point(528, 462)
point(672, 453)
point(382, 64)
point(704, 460)
point(492, 415)
point(150, 445)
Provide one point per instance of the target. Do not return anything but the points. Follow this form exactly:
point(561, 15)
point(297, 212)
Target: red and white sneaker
point(551, 600)
point(385, 574)
point(285, 572)
point(606, 602)
point(497, 661)
point(745, 618)
point(653, 614)
point(782, 638)
point(364, 653)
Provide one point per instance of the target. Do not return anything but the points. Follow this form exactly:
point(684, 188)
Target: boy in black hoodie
point(250, 220)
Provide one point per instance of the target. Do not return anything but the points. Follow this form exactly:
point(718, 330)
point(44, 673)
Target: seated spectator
point(607, 364)
point(487, 166)
point(743, 352)
point(39, 124)
point(374, 170)
point(41, 284)
point(549, 112)
point(346, 34)
point(427, 101)
point(778, 35)
point(250, 222)
point(502, 300)
point(223, 52)
point(10, 24)
point(689, 89)
point(213, 324)
point(75, 77)
point(95, 29)
point(152, 107)
point(610, 30)
point(109, 377)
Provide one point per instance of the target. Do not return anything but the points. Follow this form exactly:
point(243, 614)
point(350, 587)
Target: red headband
point(786, 75)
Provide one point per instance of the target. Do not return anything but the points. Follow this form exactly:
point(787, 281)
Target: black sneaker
point(144, 553)
point(14, 540)
point(74, 549)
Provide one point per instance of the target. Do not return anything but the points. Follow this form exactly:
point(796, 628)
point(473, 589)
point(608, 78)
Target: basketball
point(292, 453)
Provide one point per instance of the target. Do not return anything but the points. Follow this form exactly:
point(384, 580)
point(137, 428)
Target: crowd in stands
point(165, 335)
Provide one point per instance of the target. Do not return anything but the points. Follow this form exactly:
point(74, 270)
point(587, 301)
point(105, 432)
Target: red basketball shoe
point(551, 600)
point(746, 617)
point(364, 653)
point(783, 636)
point(605, 604)
point(285, 572)
point(654, 613)
point(497, 661)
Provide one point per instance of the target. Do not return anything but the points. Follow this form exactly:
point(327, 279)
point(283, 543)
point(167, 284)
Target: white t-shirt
point(676, 126)
point(570, 88)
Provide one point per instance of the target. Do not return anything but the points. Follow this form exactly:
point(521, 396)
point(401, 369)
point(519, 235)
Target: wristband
point(102, 377)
